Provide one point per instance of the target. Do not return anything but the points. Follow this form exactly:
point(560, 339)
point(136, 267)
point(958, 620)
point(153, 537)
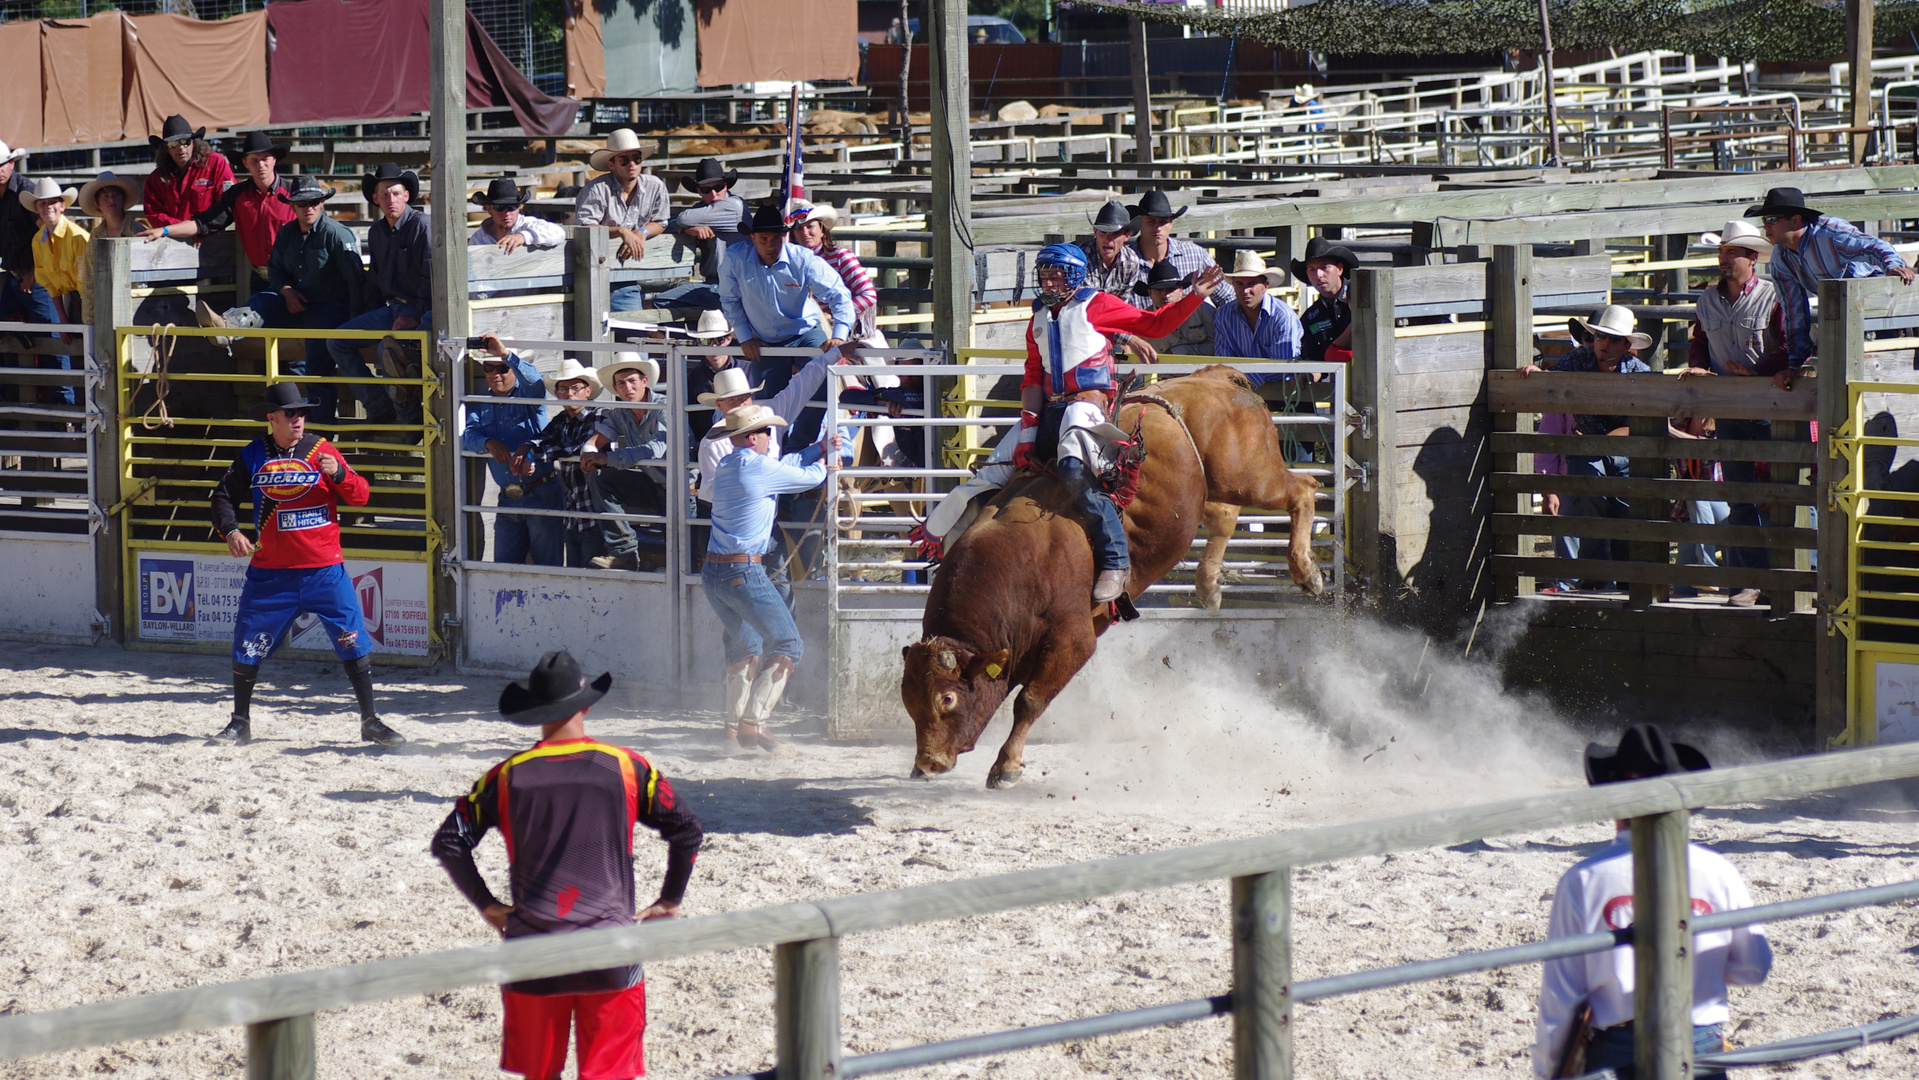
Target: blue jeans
point(312, 360)
point(693, 294)
point(346, 360)
point(754, 620)
point(627, 298)
point(1704, 512)
point(1108, 533)
point(516, 536)
point(776, 371)
point(1746, 472)
point(35, 307)
point(625, 491)
point(1597, 506)
point(1612, 1049)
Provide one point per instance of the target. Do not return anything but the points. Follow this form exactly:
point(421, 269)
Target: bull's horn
point(946, 660)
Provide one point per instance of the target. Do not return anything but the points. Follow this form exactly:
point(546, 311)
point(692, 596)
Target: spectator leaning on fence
point(1112, 266)
point(559, 445)
point(108, 200)
point(496, 430)
point(1809, 247)
point(717, 223)
point(1328, 323)
point(399, 294)
point(633, 205)
point(251, 206)
point(507, 226)
point(764, 288)
point(1156, 241)
point(21, 296)
point(566, 808)
point(620, 473)
point(1740, 332)
point(60, 266)
point(1596, 896)
point(187, 175)
point(1164, 285)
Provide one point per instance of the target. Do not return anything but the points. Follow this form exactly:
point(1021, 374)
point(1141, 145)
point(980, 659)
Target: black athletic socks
point(360, 673)
point(244, 676)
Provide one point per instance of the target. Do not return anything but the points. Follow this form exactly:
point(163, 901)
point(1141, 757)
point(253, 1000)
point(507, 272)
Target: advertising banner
point(187, 597)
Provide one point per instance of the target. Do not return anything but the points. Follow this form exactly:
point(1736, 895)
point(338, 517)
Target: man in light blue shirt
point(762, 640)
point(764, 286)
point(496, 430)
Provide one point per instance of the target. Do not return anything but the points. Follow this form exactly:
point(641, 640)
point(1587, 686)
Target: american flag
point(793, 177)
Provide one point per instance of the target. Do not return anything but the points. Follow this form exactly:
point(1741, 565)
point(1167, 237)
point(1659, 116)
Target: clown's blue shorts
point(272, 599)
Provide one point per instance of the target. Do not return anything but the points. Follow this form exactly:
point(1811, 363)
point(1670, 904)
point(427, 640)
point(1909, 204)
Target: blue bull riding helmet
point(1067, 257)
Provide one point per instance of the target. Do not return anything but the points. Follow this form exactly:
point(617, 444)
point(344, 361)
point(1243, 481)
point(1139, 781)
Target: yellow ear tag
point(992, 671)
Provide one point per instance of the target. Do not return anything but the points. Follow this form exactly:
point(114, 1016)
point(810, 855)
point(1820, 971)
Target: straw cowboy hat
point(554, 690)
point(175, 129)
point(389, 170)
point(729, 383)
point(709, 173)
point(1248, 264)
point(91, 191)
point(804, 212)
point(1643, 751)
point(8, 153)
point(1740, 233)
point(44, 188)
point(1783, 201)
point(1321, 248)
point(630, 361)
point(1305, 92)
point(1113, 217)
point(1616, 321)
point(751, 417)
point(712, 325)
point(571, 369)
point(618, 141)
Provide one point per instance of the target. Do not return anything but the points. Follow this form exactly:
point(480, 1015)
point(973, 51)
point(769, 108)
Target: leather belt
point(733, 558)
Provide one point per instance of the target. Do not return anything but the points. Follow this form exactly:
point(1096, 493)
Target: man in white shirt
point(506, 226)
point(1596, 895)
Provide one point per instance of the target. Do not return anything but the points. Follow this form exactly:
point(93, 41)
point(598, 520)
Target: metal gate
point(50, 517)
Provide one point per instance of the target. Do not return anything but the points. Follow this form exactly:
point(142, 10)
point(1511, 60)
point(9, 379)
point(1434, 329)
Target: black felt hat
point(1155, 204)
point(301, 188)
point(1163, 275)
point(501, 191)
point(709, 174)
point(391, 171)
point(1781, 201)
point(1643, 751)
point(281, 395)
point(1321, 248)
point(259, 142)
point(1112, 218)
point(554, 690)
point(768, 218)
point(175, 129)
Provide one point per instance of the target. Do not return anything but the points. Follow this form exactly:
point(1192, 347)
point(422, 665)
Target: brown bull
point(1011, 603)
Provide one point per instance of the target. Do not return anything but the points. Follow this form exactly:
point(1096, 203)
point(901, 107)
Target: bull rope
point(163, 343)
point(1172, 410)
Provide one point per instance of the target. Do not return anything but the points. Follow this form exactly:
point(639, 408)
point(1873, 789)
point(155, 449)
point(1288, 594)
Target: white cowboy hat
point(8, 153)
point(751, 417)
point(729, 383)
point(43, 188)
point(712, 325)
point(571, 369)
point(803, 212)
point(630, 361)
point(1616, 321)
point(1248, 264)
point(1740, 233)
point(618, 141)
point(1304, 93)
point(89, 193)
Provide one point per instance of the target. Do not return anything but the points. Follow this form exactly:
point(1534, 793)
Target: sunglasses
point(572, 388)
point(495, 369)
point(294, 414)
point(628, 159)
point(1771, 219)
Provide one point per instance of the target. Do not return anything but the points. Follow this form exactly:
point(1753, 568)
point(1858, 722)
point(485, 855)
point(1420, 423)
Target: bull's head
point(951, 692)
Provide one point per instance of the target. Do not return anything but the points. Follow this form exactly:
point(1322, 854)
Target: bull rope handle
point(164, 340)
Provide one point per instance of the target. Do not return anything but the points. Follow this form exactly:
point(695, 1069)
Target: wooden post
point(1263, 976)
point(806, 1004)
point(452, 317)
point(1509, 303)
point(950, 213)
point(281, 1049)
point(587, 250)
point(1142, 100)
point(112, 306)
point(1859, 54)
point(1789, 558)
point(1375, 447)
point(1662, 947)
point(1641, 595)
point(1842, 341)
point(1289, 243)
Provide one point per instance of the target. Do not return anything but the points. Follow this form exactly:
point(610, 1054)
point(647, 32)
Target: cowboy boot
point(736, 691)
point(768, 688)
point(1106, 531)
point(396, 364)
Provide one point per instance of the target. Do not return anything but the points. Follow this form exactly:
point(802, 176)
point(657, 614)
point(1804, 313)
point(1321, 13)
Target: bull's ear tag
point(993, 670)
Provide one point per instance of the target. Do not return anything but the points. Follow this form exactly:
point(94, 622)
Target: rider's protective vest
point(1074, 355)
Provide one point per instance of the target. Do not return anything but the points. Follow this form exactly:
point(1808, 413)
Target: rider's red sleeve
point(1110, 315)
point(1035, 374)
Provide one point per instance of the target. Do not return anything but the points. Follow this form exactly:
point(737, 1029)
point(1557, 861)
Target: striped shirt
point(1127, 271)
point(1189, 258)
point(1827, 249)
point(866, 298)
point(1276, 337)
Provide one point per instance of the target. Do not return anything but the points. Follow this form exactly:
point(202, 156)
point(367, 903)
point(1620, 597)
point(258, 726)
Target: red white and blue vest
point(1073, 353)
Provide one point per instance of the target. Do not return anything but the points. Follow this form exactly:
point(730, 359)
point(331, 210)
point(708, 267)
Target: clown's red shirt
point(296, 516)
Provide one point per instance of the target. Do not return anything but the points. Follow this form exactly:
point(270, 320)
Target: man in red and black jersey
point(566, 809)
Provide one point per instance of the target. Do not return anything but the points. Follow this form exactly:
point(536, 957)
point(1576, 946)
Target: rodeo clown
point(1069, 370)
point(297, 481)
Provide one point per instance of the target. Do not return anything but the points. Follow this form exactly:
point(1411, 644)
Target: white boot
point(768, 688)
point(736, 692)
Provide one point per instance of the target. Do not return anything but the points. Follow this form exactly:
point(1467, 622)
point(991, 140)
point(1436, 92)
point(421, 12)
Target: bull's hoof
point(1009, 778)
point(919, 774)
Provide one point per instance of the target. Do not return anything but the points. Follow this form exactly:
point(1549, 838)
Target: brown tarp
point(212, 73)
point(20, 96)
point(585, 50)
point(81, 62)
point(347, 59)
point(743, 41)
point(492, 80)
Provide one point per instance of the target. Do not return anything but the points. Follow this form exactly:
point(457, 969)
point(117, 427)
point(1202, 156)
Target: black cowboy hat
point(1643, 751)
point(554, 690)
point(768, 218)
point(1155, 204)
point(1782, 201)
point(501, 191)
point(259, 142)
point(301, 188)
point(1163, 275)
point(390, 171)
point(1112, 218)
point(1321, 248)
point(709, 174)
point(281, 395)
point(175, 129)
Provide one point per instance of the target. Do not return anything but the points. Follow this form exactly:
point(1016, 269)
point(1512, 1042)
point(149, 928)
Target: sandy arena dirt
point(133, 859)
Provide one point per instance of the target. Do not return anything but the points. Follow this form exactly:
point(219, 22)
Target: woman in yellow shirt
point(60, 260)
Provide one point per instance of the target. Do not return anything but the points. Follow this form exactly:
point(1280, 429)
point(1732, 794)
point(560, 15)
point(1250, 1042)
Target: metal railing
point(47, 455)
point(806, 936)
